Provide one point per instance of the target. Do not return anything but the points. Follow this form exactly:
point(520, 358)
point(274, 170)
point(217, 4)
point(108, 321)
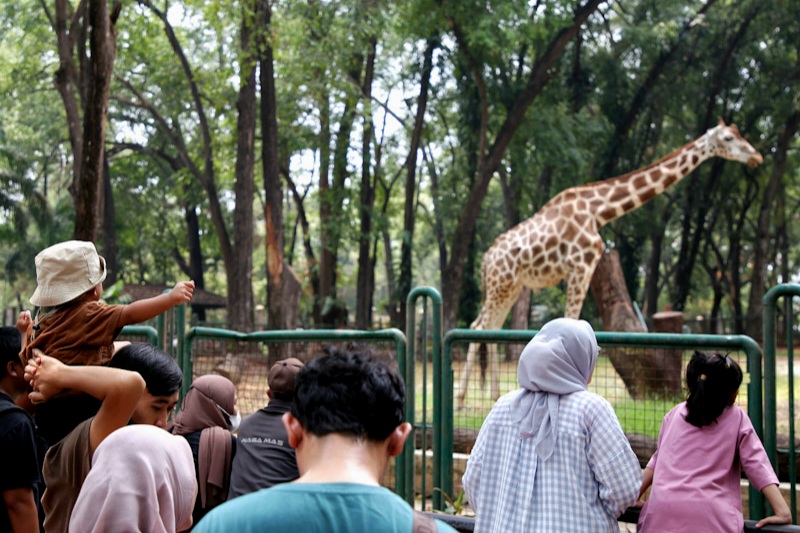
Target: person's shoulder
point(15, 420)
point(243, 512)
point(507, 399)
point(588, 401)
point(78, 437)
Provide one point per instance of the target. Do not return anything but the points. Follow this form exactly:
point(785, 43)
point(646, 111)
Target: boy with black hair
point(346, 423)
point(22, 451)
point(163, 379)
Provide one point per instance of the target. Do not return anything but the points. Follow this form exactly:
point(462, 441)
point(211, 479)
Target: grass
point(636, 416)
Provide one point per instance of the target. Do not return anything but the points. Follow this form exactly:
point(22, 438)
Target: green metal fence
point(445, 392)
point(426, 358)
point(404, 478)
point(770, 314)
point(148, 333)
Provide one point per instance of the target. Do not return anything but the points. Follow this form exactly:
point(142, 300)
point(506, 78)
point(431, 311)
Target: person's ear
point(293, 429)
point(269, 393)
point(14, 369)
point(398, 438)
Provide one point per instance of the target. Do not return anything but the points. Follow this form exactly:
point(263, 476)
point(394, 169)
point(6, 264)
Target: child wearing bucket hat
point(73, 326)
point(71, 323)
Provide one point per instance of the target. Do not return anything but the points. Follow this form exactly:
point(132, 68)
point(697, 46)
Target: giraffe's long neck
point(625, 193)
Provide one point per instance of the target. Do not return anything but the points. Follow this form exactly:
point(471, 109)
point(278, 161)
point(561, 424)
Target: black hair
point(712, 379)
point(10, 346)
point(352, 393)
point(161, 373)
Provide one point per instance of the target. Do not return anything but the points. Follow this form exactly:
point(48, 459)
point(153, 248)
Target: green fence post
point(770, 310)
point(440, 483)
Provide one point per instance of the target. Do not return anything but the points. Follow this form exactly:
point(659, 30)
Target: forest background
point(313, 156)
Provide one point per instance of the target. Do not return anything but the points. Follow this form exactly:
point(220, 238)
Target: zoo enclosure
point(430, 409)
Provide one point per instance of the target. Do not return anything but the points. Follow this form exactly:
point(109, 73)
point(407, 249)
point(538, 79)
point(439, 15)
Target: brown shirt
point(66, 465)
point(82, 333)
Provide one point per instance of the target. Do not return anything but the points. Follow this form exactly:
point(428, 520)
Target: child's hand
point(23, 322)
point(775, 519)
point(42, 372)
point(182, 292)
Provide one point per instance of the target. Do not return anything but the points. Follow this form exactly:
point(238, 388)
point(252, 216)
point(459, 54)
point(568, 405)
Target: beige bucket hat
point(66, 270)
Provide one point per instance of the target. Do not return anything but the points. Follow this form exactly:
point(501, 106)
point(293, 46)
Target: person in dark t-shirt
point(264, 457)
point(20, 447)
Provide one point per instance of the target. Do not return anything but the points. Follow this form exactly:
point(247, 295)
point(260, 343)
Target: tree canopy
point(322, 157)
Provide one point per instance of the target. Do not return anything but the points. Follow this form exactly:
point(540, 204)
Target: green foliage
point(641, 80)
point(453, 506)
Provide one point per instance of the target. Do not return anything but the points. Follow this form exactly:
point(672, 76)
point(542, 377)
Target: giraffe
point(562, 240)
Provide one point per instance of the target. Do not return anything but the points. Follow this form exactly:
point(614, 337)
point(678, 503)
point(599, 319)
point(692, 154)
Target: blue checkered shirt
point(591, 478)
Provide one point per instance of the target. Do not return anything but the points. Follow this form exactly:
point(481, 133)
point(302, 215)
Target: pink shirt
point(697, 472)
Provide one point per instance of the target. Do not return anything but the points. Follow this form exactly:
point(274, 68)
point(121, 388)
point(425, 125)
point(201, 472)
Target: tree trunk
point(764, 225)
point(89, 182)
point(331, 202)
point(641, 373)
point(195, 253)
point(539, 77)
point(409, 208)
point(240, 288)
point(110, 250)
point(652, 275)
point(697, 206)
point(277, 308)
point(366, 272)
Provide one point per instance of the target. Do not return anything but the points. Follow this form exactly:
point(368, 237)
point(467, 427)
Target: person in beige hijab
point(206, 419)
point(142, 481)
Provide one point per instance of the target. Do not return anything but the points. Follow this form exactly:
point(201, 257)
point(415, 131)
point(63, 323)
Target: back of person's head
point(560, 358)
point(210, 402)
point(282, 377)
point(161, 373)
point(713, 380)
point(10, 345)
point(142, 479)
point(351, 393)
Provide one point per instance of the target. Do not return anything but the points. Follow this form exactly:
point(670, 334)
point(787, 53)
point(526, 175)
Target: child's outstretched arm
point(118, 389)
point(782, 513)
point(148, 308)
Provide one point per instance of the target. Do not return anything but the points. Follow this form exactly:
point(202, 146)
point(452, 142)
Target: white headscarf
point(142, 481)
point(558, 360)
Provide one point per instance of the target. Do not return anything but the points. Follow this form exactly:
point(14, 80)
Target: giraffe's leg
point(492, 353)
point(578, 280)
point(494, 370)
point(462, 387)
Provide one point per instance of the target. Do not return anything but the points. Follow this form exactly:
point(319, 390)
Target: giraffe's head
point(726, 142)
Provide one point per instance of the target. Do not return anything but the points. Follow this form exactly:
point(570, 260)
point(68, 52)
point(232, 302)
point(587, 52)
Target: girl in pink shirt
point(704, 444)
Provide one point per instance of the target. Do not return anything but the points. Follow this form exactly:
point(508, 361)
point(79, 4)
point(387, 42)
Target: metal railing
point(172, 336)
point(147, 332)
point(770, 312)
point(404, 480)
point(640, 340)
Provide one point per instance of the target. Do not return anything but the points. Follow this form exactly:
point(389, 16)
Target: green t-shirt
point(312, 508)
